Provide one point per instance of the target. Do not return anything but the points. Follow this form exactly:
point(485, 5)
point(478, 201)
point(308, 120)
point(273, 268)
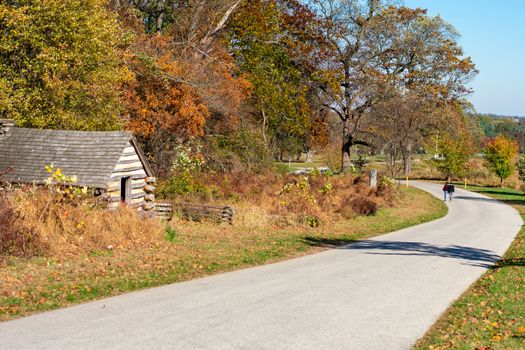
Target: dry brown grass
point(15, 239)
point(286, 200)
point(58, 228)
point(479, 175)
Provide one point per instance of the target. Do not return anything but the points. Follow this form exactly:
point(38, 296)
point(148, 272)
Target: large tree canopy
point(278, 45)
point(60, 64)
point(378, 49)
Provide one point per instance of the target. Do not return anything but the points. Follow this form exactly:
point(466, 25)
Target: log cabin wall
point(128, 166)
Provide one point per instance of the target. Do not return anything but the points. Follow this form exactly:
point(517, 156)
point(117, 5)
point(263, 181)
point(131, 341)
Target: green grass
point(170, 234)
point(491, 314)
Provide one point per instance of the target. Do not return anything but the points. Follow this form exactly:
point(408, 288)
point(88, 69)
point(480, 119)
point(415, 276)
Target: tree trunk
point(309, 156)
point(406, 150)
point(349, 141)
point(346, 150)
point(393, 160)
point(406, 164)
point(207, 40)
point(264, 126)
point(343, 149)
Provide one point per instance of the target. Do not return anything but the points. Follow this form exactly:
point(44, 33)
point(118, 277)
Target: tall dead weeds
point(59, 228)
point(16, 238)
point(276, 199)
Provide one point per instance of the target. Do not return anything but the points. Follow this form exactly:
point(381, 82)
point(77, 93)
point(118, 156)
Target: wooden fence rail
point(164, 211)
point(197, 212)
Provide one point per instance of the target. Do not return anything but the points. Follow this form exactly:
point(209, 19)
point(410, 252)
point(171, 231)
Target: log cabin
point(110, 162)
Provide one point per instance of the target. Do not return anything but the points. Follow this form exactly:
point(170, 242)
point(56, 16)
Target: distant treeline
point(491, 126)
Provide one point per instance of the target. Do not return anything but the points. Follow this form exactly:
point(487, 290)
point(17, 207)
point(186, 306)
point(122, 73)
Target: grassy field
point(491, 314)
point(190, 250)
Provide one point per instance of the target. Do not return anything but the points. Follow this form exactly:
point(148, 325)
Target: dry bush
point(423, 169)
point(363, 189)
point(364, 205)
point(298, 197)
point(15, 239)
point(245, 185)
point(344, 208)
point(479, 174)
point(332, 156)
point(388, 194)
point(286, 200)
point(327, 198)
point(62, 228)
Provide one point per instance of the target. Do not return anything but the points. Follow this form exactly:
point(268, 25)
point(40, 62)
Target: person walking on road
point(450, 190)
point(445, 191)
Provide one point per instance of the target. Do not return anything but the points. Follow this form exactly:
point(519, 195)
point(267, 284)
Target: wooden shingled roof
point(89, 155)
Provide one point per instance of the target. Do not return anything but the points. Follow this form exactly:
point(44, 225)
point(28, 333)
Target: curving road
point(382, 293)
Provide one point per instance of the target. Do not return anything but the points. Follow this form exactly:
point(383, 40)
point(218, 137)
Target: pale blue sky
point(493, 34)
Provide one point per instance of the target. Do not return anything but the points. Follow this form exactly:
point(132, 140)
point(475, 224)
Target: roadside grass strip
point(491, 313)
point(190, 250)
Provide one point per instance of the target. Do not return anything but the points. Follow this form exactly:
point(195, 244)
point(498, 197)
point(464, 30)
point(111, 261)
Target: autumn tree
point(272, 41)
point(378, 48)
point(500, 156)
point(185, 82)
point(194, 30)
point(427, 100)
point(277, 95)
point(200, 21)
point(162, 109)
point(61, 64)
point(521, 168)
point(406, 122)
point(401, 124)
point(454, 152)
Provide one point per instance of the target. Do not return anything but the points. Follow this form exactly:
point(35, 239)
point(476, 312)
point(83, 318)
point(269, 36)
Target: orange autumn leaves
point(175, 94)
point(159, 99)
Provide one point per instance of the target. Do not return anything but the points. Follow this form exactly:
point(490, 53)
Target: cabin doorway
point(125, 190)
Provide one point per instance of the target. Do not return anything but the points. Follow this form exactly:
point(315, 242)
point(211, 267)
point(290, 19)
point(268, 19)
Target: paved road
point(382, 293)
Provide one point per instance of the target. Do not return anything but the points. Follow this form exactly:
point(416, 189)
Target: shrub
point(387, 189)
point(243, 150)
point(62, 187)
point(181, 184)
point(310, 221)
point(360, 164)
point(170, 234)
point(363, 205)
point(297, 197)
point(185, 174)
